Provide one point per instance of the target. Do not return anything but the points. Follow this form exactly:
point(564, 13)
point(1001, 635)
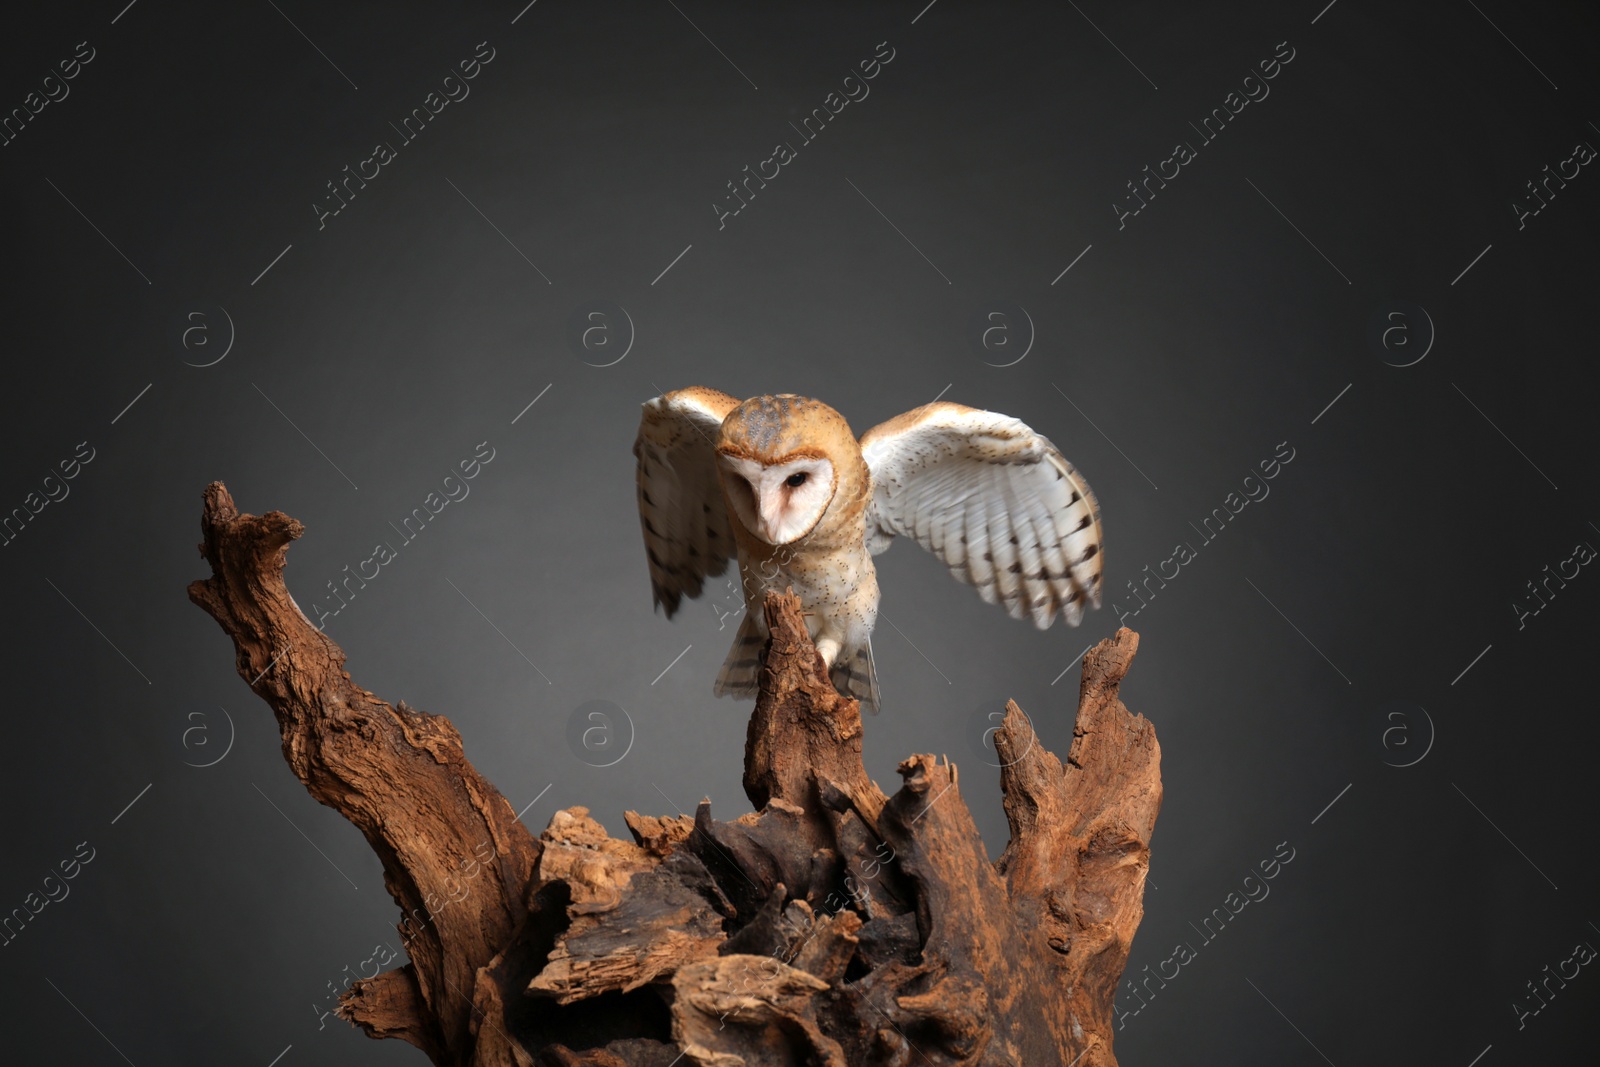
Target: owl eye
point(795, 481)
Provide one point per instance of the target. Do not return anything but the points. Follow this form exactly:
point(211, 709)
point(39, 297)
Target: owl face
point(782, 501)
point(783, 461)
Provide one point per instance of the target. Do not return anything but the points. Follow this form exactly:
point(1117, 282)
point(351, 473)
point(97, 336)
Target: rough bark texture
point(834, 926)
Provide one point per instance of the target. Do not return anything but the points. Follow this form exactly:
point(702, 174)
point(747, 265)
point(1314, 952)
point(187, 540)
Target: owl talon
point(828, 648)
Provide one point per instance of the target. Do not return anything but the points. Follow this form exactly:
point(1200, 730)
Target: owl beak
point(771, 519)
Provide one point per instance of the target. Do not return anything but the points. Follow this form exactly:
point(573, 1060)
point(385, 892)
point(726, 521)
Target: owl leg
point(829, 647)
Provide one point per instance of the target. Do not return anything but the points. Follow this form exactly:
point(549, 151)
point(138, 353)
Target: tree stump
point(834, 926)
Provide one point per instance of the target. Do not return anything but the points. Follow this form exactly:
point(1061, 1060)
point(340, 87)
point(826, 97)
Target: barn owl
point(782, 485)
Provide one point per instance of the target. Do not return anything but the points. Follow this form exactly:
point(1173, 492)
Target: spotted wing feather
point(687, 538)
point(996, 502)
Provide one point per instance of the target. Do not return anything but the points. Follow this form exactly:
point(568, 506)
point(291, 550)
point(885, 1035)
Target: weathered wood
point(736, 1010)
point(1079, 852)
point(635, 919)
point(455, 859)
point(803, 736)
point(834, 926)
point(391, 1005)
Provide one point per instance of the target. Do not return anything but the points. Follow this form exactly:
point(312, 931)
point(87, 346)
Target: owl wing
point(687, 537)
point(996, 502)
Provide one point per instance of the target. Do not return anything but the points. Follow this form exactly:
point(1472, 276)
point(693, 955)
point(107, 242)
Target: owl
point(782, 486)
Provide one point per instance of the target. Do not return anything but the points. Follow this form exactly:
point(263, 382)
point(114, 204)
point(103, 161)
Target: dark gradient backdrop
point(1371, 610)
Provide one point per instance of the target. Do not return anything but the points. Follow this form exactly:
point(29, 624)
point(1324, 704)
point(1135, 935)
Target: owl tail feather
point(857, 676)
point(740, 670)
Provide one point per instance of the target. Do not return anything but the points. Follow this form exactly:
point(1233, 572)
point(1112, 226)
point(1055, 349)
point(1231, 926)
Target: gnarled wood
point(834, 926)
point(1080, 835)
point(444, 834)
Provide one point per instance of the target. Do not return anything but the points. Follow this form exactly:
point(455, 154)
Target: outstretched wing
point(686, 533)
point(996, 502)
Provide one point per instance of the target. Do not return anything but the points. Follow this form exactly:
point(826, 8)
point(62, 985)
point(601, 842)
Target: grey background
point(208, 927)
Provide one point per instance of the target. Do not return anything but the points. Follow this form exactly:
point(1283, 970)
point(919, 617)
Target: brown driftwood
point(834, 926)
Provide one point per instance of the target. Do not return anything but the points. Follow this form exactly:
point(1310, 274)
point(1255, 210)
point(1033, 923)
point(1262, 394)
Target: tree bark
point(834, 926)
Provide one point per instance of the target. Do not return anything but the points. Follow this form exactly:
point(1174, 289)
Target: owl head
point(783, 460)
